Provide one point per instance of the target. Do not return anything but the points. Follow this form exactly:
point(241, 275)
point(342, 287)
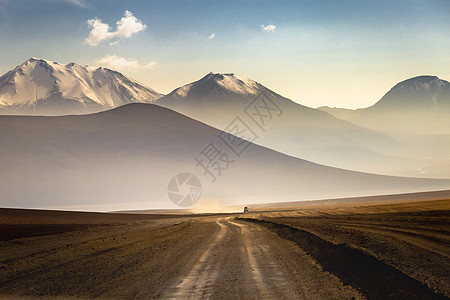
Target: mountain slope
point(419, 105)
point(43, 87)
point(217, 98)
point(291, 128)
point(124, 159)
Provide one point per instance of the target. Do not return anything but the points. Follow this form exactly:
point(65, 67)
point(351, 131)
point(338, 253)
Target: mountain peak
point(417, 93)
point(33, 59)
point(43, 61)
point(67, 88)
point(52, 64)
point(217, 76)
point(424, 82)
point(227, 84)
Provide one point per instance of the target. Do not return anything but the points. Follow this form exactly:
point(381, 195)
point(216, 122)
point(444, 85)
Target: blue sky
point(336, 53)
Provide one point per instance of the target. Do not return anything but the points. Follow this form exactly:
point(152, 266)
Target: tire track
point(250, 250)
point(199, 282)
point(272, 277)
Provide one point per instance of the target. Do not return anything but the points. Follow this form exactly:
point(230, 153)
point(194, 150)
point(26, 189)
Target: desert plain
point(394, 246)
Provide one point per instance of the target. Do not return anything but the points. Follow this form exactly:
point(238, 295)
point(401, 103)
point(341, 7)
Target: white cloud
point(118, 63)
point(126, 27)
point(129, 25)
point(100, 31)
point(123, 64)
point(268, 28)
point(150, 65)
point(211, 36)
point(80, 3)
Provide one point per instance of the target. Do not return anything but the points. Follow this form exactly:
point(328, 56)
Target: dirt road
point(213, 257)
point(246, 261)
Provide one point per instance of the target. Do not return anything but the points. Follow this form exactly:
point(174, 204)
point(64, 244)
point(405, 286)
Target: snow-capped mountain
point(280, 123)
point(216, 98)
point(220, 85)
point(420, 92)
point(39, 86)
point(297, 130)
point(416, 105)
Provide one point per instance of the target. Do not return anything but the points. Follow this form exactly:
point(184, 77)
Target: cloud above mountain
point(268, 28)
point(79, 3)
point(126, 27)
point(123, 64)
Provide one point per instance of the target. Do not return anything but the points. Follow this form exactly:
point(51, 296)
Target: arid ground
point(392, 248)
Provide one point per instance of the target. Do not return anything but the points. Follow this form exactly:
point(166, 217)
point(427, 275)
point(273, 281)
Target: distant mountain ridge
point(125, 158)
point(327, 138)
point(221, 84)
point(42, 87)
point(421, 92)
point(217, 98)
point(419, 105)
point(384, 139)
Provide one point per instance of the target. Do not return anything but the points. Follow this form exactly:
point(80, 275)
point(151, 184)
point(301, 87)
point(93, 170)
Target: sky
point(335, 53)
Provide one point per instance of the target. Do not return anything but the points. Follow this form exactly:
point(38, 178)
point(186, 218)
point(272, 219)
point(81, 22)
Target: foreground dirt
point(354, 251)
point(213, 257)
point(412, 237)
